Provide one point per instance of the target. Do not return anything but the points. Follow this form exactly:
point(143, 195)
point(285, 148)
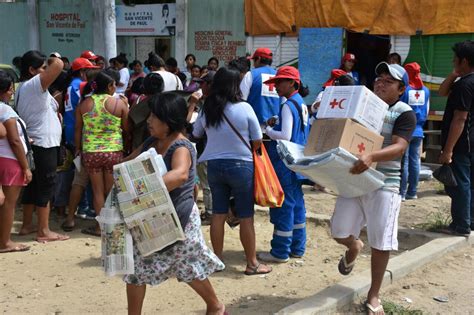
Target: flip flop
point(373, 309)
point(59, 237)
point(90, 231)
point(19, 248)
point(254, 270)
point(343, 267)
point(67, 228)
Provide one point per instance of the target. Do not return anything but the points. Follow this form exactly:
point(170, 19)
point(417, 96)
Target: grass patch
point(393, 308)
point(435, 221)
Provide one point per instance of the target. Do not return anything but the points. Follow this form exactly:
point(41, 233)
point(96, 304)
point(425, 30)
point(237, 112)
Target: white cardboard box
point(354, 102)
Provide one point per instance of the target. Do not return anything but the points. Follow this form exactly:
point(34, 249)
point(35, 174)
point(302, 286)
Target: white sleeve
point(286, 125)
point(245, 85)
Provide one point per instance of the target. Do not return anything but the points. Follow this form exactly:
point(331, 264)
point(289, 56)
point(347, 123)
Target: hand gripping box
point(354, 102)
point(327, 134)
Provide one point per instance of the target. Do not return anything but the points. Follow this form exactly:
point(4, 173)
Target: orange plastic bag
point(267, 188)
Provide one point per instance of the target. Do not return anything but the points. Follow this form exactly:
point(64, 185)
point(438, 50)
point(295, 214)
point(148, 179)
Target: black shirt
point(461, 98)
point(405, 125)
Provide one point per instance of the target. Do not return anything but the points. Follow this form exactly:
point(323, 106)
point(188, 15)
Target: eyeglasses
point(383, 81)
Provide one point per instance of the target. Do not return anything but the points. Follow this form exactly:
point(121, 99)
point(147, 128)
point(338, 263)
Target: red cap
point(335, 73)
point(413, 70)
point(89, 55)
point(262, 52)
point(349, 57)
point(285, 72)
point(82, 63)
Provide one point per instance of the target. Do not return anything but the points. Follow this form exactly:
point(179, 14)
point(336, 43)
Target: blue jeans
point(461, 195)
point(411, 168)
point(229, 177)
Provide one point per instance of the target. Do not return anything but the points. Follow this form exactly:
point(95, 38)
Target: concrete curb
point(338, 296)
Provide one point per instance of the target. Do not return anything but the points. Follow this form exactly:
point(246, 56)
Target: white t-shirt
point(6, 113)
point(172, 82)
point(39, 110)
point(124, 78)
point(246, 84)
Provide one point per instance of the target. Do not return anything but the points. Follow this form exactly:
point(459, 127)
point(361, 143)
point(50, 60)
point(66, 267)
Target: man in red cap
point(89, 55)
point(263, 98)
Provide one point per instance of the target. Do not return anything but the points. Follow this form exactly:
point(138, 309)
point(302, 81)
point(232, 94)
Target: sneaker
point(90, 214)
point(295, 256)
point(403, 198)
point(81, 213)
point(450, 231)
point(268, 257)
point(408, 197)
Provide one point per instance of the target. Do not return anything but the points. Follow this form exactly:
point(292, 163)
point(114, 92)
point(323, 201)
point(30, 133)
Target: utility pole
point(104, 28)
point(33, 25)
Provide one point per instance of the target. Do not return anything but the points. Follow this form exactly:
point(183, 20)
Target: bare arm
point(134, 154)
point(3, 131)
point(256, 144)
point(445, 87)
point(179, 173)
point(78, 129)
point(395, 150)
point(55, 66)
point(455, 131)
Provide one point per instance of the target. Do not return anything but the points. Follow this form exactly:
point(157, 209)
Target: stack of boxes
point(350, 117)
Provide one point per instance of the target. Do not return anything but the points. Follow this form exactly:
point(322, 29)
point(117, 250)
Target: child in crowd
point(190, 261)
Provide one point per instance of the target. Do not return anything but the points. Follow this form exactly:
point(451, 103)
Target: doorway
point(369, 51)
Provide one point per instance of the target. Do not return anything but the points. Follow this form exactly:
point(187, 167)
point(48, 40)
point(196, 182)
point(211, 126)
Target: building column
point(33, 25)
point(181, 34)
point(103, 24)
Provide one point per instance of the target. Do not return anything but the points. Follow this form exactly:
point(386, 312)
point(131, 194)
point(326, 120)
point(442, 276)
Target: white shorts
point(377, 210)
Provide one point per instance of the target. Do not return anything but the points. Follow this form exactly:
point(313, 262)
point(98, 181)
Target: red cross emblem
point(335, 103)
point(417, 95)
point(271, 87)
point(361, 147)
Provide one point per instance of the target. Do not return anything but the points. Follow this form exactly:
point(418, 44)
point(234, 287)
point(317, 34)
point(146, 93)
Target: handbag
point(267, 189)
point(445, 175)
point(29, 154)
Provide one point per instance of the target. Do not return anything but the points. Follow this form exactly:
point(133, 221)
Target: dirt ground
point(66, 278)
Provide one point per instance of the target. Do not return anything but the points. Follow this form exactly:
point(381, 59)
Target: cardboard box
point(327, 134)
point(355, 102)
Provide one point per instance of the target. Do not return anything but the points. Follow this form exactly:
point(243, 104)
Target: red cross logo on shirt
point(271, 87)
point(361, 147)
point(417, 95)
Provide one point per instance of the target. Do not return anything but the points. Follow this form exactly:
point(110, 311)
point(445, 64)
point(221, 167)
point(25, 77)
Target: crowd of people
point(71, 123)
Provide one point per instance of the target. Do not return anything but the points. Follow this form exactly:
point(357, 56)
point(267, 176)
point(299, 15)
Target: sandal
point(91, 231)
point(66, 227)
point(374, 310)
point(343, 267)
point(254, 270)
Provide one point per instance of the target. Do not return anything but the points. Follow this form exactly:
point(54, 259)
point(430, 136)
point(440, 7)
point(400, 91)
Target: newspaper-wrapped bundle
point(330, 170)
point(117, 243)
point(145, 204)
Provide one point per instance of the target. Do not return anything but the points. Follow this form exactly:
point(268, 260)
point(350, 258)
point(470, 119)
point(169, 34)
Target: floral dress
point(186, 260)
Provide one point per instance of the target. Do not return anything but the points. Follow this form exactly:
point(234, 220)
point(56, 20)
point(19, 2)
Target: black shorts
point(40, 190)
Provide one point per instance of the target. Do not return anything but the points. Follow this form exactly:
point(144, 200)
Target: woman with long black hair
point(230, 125)
point(39, 110)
